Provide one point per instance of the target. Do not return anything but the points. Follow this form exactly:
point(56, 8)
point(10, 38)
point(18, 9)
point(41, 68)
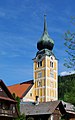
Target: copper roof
point(21, 89)
point(45, 41)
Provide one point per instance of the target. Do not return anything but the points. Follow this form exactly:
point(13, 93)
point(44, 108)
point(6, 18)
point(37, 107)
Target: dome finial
point(45, 42)
point(45, 24)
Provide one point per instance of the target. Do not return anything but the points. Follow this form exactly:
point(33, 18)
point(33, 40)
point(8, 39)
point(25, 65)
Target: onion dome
point(45, 41)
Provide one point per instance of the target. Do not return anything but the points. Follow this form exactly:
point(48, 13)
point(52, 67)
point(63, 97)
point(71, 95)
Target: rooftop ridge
point(29, 81)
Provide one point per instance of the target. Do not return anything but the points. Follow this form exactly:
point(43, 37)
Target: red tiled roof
point(21, 88)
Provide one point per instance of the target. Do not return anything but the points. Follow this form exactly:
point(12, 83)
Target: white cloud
point(67, 73)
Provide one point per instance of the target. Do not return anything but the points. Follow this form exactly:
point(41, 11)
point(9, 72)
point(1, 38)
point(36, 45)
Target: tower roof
point(45, 41)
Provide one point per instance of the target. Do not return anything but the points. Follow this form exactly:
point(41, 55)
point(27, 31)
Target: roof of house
point(10, 97)
point(41, 108)
point(21, 89)
point(7, 99)
point(68, 106)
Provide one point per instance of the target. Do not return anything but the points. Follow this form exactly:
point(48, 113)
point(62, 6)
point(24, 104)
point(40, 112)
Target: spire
point(45, 41)
point(45, 25)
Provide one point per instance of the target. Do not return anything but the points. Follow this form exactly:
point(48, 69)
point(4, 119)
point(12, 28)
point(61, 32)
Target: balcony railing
point(8, 113)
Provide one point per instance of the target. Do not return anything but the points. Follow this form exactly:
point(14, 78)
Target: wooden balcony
point(8, 113)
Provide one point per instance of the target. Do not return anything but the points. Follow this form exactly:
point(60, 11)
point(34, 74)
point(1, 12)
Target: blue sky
point(21, 26)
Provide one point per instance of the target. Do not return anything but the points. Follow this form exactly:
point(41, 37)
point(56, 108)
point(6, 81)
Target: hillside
point(66, 89)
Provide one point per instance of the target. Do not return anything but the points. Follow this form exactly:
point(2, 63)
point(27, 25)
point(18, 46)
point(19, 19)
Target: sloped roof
point(7, 99)
point(21, 89)
point(68, 106)
point(41, 108)
point(10, 97)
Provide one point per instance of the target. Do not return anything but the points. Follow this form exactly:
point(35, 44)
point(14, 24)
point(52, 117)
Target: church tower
point(45, 69)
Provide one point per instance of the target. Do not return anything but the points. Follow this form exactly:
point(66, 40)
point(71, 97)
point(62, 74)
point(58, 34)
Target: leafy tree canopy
point(70, 49)
point(66, 88)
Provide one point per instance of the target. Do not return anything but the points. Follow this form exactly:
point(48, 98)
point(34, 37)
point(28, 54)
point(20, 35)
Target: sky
point(21, 26)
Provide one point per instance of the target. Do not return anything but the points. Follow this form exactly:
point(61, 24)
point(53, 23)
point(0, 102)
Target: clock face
point(39, 57)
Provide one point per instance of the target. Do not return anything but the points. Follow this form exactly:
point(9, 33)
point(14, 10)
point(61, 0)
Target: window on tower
point(51, 84)
point(52, 74)
point(51, 58)
point(39, 74)
point(39, 63)
point(51, 64)
point(39, 84)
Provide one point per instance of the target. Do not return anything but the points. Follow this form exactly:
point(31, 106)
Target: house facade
point(8, 109)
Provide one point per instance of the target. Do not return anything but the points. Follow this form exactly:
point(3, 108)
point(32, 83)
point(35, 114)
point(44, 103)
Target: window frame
point(52, 73)
point(39, 74)
point(51, 64)
point(39, 64)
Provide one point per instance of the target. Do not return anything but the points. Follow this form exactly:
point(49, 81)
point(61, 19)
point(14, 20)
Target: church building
point(44, 85)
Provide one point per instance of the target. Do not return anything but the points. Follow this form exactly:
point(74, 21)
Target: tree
point(70, 44)
point(67, 88)
point(69, 96)
point(21, 117)
point(18, 101)
point(30, 118)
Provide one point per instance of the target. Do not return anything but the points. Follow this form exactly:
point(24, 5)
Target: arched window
point(39, 63)
point(51, 64)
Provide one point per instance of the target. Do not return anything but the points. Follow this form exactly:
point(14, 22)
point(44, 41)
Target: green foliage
point(21, 117)
point(70, 49)
point(18, 101)
point(14, 95)
point(30, 118)
point(66, 88)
